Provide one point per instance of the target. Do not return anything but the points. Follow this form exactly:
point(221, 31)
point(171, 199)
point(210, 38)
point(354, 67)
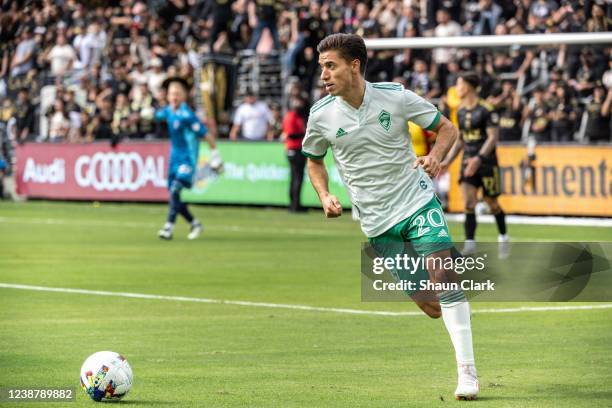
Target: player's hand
point(430, 164)
point(471, 166)
point(331, 206)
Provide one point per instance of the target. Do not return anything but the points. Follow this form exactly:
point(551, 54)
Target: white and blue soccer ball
point(106, 376)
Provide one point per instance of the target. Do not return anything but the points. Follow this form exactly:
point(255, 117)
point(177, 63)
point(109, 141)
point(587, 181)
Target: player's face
point(176, 95)
point(463, 88)
point(336, 73)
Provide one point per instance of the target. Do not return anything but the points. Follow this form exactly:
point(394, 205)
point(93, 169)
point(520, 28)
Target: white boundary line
point(131, 224)
point(286, 306)
point(484, 218)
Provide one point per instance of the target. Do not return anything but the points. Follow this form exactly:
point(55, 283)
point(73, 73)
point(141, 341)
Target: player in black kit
point(479, 133)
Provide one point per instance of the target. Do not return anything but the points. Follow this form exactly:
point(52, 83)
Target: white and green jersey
point(373, 151)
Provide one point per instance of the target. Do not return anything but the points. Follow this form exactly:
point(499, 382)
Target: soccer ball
point(482, 208)
point(106, 376)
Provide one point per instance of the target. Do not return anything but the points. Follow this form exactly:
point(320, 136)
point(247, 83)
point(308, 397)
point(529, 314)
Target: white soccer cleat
point(503, 242)
point(469, 247)
point(195, 231)
point(216, 163)
point(467, 382)
point(165, 233)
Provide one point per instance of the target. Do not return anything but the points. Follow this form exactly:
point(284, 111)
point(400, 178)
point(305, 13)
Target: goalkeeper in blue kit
point(185, 131)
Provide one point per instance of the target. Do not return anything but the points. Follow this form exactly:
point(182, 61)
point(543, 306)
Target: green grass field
point(187, 354)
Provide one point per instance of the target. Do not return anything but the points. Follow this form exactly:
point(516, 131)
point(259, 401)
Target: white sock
point(195, 221)
point(169, 225)
point(456, 316)
point(215, 155)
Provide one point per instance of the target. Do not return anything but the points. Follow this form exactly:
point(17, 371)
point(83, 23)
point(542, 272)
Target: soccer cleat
point(467, 382)
point(195, 230)
point(503, 246)
point(469, 247)
point(165, 233)
point(216, 163)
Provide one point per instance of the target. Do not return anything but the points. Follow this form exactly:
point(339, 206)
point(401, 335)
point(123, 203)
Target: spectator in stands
point(123, 124)
point(489, 16)
point(407, 21)
point(142, 107)
point(83, 133)
point(23, 59)
point(443, 56)
point(62, 56)
point(222, 19)
point(293, 130)
point(507, 104)
point(120, 81)
point(599, 111)
point(419, 80)
point(90, 46)
point(24, 116)
point(59, 123)
point(73, 109)
point(539, 12)
point(563, 116)
point(101, 123)
point(111, 41)
point(598, 22)
point(262, 15)
point(363, 25)
point(155, 76)
point(607, 76)
point(4, 68)
point(252, 120)
point(386, 13)
point(538, 113)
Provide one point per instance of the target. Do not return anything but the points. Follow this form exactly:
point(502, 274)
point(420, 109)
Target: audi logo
point(119, 171)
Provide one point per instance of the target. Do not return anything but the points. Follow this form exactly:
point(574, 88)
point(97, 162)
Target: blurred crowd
point(93, 70)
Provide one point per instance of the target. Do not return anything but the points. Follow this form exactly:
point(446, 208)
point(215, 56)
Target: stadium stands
point(92, 71)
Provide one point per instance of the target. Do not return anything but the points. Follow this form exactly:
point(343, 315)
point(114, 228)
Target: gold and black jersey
point(473, 124)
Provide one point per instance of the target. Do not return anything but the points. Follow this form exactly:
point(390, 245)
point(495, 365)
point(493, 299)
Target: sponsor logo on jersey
point(341, 132)
point(423, 184)
point(384, 118)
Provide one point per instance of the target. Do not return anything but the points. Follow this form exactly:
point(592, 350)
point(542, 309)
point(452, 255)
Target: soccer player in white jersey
point(365, 124)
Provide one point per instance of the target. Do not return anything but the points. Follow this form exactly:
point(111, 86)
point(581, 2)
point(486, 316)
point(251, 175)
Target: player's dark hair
point(471, 78)
point(350, 47)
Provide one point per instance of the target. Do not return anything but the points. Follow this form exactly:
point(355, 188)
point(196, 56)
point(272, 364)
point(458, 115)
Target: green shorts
point(419, 235)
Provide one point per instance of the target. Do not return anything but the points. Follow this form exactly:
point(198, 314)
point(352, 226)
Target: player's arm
point(320, 181)
point(446, 136)
point(427, 116)
point(160, 112)
point(314, 146)
point(196, 125)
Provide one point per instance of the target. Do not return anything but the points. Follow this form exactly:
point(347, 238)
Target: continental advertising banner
point(563, 180)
